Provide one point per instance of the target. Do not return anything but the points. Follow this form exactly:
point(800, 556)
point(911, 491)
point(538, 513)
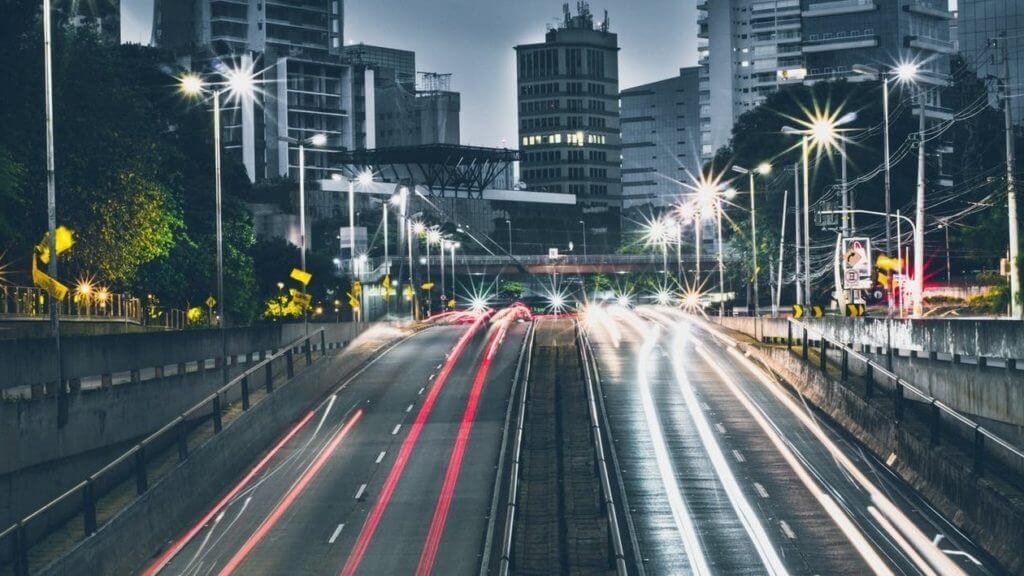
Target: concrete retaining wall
point(992, 517)
point(992, 391)
point(128, 541)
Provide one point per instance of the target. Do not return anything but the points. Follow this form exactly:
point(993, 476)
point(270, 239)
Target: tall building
point(984, 20)
point(747, 50)
point(568, 91)
point(660, 138)
point(306, 88)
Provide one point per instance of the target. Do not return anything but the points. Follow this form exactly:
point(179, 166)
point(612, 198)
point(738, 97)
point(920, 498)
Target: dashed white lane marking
point(720, 428)
point(397, 428)
point(334, 535)
point(359, 493)
point(760, 490)
point(380, 457)
point(738, 456)
point(409, 409)
point(705, 406)
point(422, 389)
point(787, 530)
point(439, 366)
point(431, 377)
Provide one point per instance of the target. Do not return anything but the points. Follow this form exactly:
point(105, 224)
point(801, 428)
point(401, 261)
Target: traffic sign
point(211, 302)
point(301, 276)
point(857, 264)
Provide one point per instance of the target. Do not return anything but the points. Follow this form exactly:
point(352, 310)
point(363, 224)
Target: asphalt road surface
point(375, 480)
point(725, 472)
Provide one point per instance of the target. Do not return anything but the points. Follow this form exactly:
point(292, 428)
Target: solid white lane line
point(787, 530)
point(397, 428)
point(334, 535)
point(359, 493)
point(760, 490)
point(738, 456)
point(409, 409)
point(380, 457)
point(720, 428)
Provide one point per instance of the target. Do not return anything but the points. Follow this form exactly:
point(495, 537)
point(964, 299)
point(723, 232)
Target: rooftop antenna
point(606, 23)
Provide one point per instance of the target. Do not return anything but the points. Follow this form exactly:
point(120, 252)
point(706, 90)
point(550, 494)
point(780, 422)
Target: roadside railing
point(616, 549)
point(522, 376)
point(53, 530)
point(943, 422)
point(31, 303)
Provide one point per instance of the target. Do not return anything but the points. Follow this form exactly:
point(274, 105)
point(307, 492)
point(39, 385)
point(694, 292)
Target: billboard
point(857, 264)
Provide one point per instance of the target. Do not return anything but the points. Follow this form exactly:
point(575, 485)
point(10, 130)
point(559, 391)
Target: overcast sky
point(473, 40)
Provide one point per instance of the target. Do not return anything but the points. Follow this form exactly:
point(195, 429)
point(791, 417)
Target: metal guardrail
point(617, 550)
point(523, 377)
point(105, 493)
point(31, 303)
point(936, 409)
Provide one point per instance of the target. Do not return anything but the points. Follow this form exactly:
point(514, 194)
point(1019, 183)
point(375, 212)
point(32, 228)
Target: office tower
point(660, 139)
point(305, 87)
point(747, 50)
point(568, 91)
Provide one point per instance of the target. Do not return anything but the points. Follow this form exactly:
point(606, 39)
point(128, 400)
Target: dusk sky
point(473, 40)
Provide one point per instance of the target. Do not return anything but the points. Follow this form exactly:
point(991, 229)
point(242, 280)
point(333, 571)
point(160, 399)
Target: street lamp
point(237, 83)
point(314, 140)
point(906, 72)
point(763, 169)
point(821, 130)
point(508, 222)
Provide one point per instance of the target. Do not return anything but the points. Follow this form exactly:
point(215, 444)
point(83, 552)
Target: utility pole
point(1016, 309)
point(796, 183)
point(919, 209)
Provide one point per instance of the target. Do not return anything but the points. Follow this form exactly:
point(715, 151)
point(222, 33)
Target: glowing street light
point(238, 83)
point(821, 129)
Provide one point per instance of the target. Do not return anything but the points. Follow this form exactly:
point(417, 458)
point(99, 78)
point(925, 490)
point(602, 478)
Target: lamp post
point(763, 169)
point(508, 222)
point(944, 225)
point(823, 132)
point(314, 140)
point(237, 83)
point(444, 290)
point(51, 213)
point(454, 246)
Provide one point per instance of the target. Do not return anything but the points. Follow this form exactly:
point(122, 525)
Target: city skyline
point(486, 76)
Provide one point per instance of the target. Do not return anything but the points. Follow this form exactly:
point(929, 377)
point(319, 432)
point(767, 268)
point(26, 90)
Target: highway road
point(392, 474)
point(725, 472)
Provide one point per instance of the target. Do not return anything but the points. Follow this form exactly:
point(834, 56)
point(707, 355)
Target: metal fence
point(31, 303)
point(53, 530)
point(911, 404)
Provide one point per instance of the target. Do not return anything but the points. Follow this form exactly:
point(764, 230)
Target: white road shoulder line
point(334, 535)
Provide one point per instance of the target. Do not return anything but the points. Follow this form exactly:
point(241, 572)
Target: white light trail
point(918, 547)
point(751, 523)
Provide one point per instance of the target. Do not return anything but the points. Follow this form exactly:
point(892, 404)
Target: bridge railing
point(945, 424)
point(31, 303)
point(53, 530)
point(561, 260)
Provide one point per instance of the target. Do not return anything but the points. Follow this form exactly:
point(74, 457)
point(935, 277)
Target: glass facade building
point(660, 139)
point(980, 22)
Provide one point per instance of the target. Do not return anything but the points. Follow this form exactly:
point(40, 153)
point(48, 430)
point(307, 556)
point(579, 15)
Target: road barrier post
point(217, 424)
point(89, 508)
point(936, 427)
point(141, 481)
point(979, 451)
point(268, 372)
point(245, 393)
point(182, 431)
